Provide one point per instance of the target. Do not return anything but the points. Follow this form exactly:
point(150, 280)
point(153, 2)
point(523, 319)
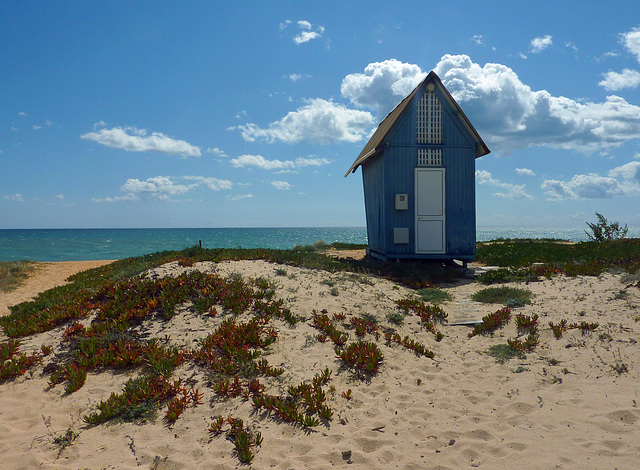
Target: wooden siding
point(373, 182)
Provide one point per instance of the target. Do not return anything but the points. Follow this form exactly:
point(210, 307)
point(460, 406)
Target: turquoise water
point(93, 244)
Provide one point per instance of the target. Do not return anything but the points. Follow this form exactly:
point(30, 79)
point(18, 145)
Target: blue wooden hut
point(418, 172)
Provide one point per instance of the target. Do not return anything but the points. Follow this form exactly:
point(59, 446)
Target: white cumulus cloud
point(163, 187)
point(132, 139)
point(214, 184)
point(160, 187)
point(510, 115)
point(259, 161)
point(512, 191)
point(614, 81)
point(382, 85)
point(318, 121)
point(620, 181)
point(525, 172)
point(631, 40)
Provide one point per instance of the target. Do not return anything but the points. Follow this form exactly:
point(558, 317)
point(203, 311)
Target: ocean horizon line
point(87, 244)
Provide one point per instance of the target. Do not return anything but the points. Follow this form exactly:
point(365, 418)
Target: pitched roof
point(374, 145)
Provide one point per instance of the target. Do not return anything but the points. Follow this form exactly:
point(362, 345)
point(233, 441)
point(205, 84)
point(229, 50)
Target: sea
point(111, 244)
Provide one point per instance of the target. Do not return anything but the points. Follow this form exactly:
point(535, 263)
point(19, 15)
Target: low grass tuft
point(503, 352)
point(14, 273)
point(435, 296)
point(509, 296)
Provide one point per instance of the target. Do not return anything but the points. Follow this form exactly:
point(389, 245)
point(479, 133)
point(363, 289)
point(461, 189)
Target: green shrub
point(604, 230)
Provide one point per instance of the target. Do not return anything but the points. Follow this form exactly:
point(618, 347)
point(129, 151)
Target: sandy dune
point(564, 406)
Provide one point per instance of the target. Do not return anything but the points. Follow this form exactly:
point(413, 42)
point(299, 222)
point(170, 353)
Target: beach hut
point(418, 173)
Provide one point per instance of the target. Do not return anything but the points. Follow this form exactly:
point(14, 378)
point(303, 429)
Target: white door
point(430, 210)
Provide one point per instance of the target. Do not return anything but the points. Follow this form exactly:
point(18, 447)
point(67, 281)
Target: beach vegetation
point(528, 274)
point(526, 322)
point(510, 296)
point(528, 344)
point(434, 295)
point(396, 318)
point(621, 295)
point(328, 329)
point(559, 328)
point(620, 368)
point(416, 346)
point(503, 353)
point(320, 245)
point(14, 273)
point(428, 314)
point(363, 355)
point(492, 322)
point(364, 324)
point(603, 230)
point(572, 259)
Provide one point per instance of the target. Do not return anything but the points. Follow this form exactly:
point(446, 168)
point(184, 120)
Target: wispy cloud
point(539, 44)
point(281, 185)
point(478, 39)
point(126, 197)
point(132, 139)
point(239, 197)
point(217, 152)
point(525, 172)
point(14, 197)
point(307, 32)
point(294, 77)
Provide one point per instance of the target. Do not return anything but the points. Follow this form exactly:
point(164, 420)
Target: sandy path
point(46, 276)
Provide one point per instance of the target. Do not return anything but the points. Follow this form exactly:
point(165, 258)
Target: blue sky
point(233, 114)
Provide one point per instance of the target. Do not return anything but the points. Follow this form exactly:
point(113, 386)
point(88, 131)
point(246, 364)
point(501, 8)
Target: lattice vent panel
point(429, 120)
point(429, 157)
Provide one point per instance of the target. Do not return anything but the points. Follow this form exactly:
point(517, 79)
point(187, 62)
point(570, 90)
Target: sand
point(564, 406)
